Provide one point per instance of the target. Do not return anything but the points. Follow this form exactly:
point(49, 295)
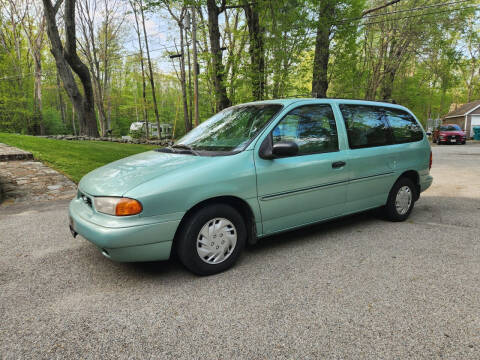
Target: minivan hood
point(118, 177)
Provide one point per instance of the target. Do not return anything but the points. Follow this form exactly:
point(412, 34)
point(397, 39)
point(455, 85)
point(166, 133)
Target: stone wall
point(112, 139)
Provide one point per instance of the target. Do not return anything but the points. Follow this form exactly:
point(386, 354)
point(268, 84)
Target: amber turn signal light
point(126, 207)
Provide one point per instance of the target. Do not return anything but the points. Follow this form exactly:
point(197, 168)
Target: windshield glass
point(450, 128)
point(231, 129)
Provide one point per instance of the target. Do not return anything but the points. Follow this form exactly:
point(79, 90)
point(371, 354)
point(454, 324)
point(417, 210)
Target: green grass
point(73, 158)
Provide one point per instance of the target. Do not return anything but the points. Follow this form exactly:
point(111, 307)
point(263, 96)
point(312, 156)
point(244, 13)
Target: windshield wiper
point(181, 146)
point(184, 147)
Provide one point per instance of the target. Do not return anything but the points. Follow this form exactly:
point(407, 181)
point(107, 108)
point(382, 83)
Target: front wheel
point(211, 239)
point(400, 200)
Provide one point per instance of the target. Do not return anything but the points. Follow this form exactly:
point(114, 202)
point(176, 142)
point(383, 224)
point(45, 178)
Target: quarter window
point(404, 126)
point(311, 127)
point(366, 126)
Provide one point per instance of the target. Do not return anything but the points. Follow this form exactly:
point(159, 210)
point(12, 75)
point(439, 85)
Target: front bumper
point(139, 242)
point(452, 141)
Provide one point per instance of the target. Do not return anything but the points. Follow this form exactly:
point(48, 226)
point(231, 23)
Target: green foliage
point(137, 134)
point(433, 55)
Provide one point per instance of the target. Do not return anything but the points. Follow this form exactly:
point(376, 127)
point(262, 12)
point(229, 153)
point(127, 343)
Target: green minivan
point(251, 171)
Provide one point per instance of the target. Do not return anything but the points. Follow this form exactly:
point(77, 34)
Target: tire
point(433, 140)
point(219, 222)
point(400, 213)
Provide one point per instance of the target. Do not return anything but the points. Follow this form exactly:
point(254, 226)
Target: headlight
point(117, 206)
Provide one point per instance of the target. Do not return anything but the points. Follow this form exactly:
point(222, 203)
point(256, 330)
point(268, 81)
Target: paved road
point(356, 288)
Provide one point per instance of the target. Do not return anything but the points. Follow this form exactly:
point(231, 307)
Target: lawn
point(73, 158)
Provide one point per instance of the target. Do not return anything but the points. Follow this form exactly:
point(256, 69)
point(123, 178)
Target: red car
point(449, 134)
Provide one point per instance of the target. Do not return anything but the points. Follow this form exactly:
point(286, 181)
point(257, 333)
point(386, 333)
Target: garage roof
point(464, 109)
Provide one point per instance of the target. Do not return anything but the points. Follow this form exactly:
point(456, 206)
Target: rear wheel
point(401, 200)
point(211, 239)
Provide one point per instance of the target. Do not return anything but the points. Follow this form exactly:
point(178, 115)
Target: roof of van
point(289, 101)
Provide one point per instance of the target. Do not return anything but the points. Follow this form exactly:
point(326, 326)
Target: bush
point(137, 134)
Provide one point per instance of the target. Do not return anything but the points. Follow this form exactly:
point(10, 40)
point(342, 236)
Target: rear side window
point(311, 127)
point(404, 127)
point(366, 126)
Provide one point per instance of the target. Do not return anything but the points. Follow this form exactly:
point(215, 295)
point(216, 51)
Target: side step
point(10, 153)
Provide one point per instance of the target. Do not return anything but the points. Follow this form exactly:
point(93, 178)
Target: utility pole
point(195, 65)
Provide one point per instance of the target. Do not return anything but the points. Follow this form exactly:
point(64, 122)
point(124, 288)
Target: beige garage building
point(466, 116)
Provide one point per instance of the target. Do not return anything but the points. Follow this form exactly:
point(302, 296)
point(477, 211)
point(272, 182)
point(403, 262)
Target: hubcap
point(216, 240)
point(403, 200)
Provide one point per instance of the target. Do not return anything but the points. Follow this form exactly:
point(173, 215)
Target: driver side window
point(311, 127)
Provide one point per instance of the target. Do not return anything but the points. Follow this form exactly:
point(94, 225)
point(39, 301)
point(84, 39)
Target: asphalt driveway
point(356, 288)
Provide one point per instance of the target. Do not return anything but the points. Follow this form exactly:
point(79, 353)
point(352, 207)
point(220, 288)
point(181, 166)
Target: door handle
point(338, 164)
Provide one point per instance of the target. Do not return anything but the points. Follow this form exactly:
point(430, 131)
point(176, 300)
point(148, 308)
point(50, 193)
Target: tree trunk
point(209, 83)
point(70, 54)
point(37, 98)
point(63, 69)
point(322, 49)
point(256, 50)
point(183, 81)
point(61, 103)
point(140, 47)
point(73, 121)
point(66, 60)
point(152, 82)
point(195, 65)
point(91, 53)
point(222, 100)
point(190, 97)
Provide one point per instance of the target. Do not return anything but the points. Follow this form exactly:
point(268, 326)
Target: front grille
point(454, 137)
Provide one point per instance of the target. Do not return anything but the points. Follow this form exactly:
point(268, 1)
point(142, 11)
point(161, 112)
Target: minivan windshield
point(450, 128)
point(231, 129)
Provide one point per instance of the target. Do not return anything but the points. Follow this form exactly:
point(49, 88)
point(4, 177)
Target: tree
point(332, 13)
point(32, 23)
point(222, 100)
point(424, 56)
point(179, 19)
point(470, 67)
point(133, 4)
point(236, 48)
point(322, 48)
point(99, 45)
point(67, 59)
point(289, 44)
point(150, 68)
point(256, 49)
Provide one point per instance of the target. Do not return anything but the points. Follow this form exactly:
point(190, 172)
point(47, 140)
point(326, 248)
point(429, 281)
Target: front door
point(310, 186)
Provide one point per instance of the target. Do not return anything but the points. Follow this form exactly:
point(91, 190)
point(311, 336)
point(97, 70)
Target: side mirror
point(285, 149)
point(268, 151)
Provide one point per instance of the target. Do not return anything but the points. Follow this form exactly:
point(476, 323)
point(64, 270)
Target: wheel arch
point(237, 203)
point(415, 177)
